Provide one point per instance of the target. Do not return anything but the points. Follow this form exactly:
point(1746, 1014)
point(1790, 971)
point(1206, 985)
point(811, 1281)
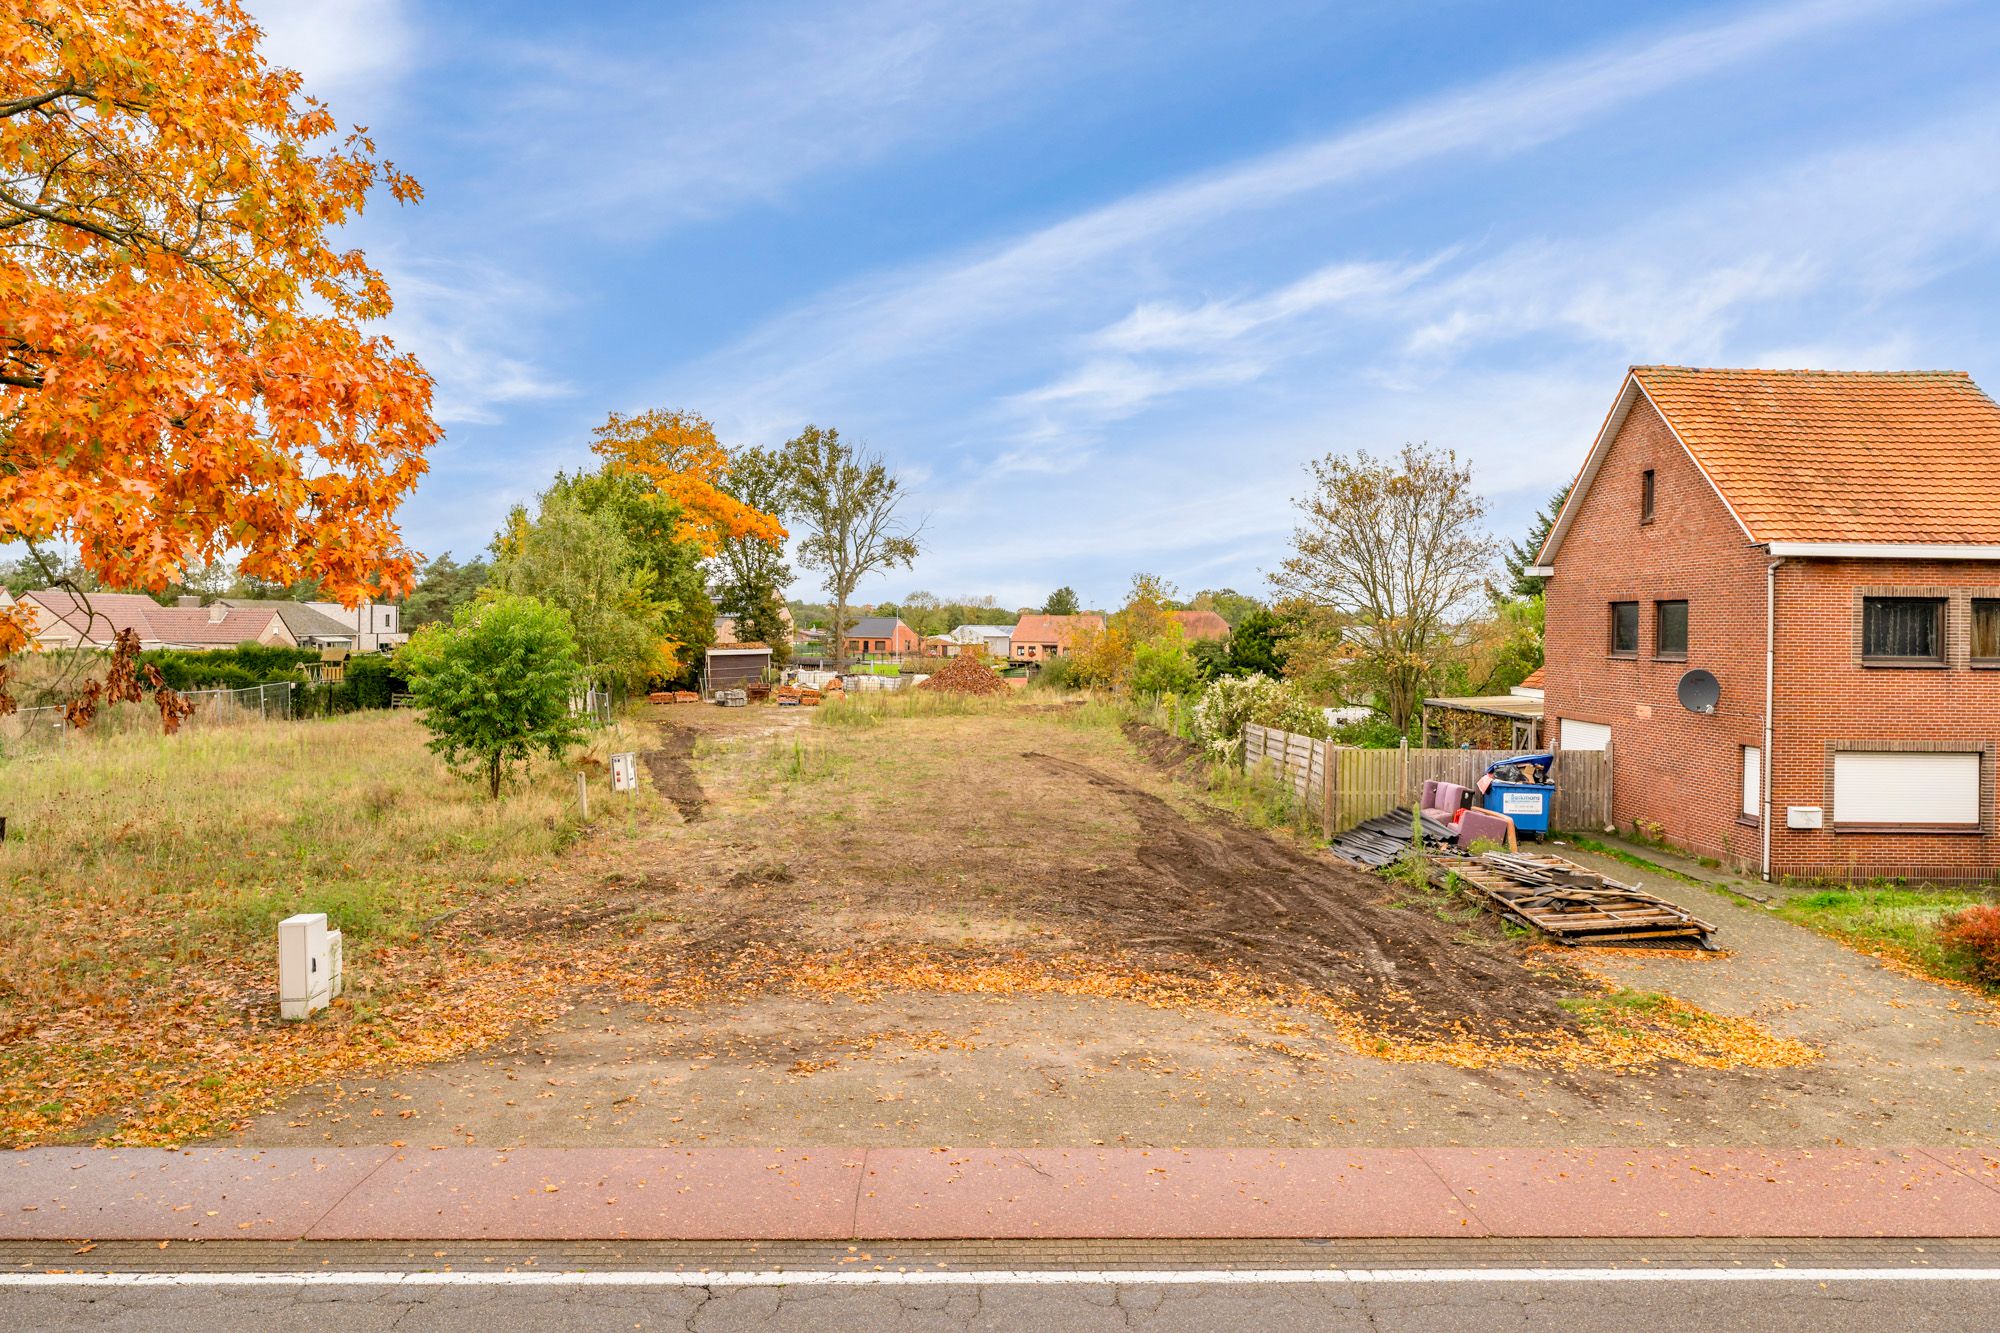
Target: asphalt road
point(1415, 1302)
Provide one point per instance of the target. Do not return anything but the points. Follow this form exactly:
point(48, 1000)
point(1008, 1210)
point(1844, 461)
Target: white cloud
point(778, 96)
point(1066, 268)
point(473, 327)
point(348, 50)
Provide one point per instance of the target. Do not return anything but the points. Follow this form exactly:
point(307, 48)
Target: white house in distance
point(996, 640)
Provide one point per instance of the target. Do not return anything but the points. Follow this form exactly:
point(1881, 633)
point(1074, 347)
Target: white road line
point(1001, 1277)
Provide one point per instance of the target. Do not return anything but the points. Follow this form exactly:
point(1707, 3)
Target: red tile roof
point(1059, 630)
point(1841, 456)
point(1202, 624)
point(110, 612)
point(1533, 681)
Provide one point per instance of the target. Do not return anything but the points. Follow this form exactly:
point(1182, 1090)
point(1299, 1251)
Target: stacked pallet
point(1576, 905)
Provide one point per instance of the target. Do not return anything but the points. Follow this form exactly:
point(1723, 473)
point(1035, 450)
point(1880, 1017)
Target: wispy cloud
point(348, 50)
point(472, 326)
point(1069, 265)
point(746, 113)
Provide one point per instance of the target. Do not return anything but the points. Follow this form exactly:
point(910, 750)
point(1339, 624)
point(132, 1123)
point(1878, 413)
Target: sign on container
point(625, 772)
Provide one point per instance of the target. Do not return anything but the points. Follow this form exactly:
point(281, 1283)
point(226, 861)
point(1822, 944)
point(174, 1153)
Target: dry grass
point(140, 870)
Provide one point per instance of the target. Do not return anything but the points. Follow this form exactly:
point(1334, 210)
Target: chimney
point(187, 599)
point(217, 613)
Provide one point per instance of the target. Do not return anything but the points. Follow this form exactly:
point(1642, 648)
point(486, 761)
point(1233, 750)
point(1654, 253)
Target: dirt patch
point(1164, 750)
point(1240, 899)
point(671, 767)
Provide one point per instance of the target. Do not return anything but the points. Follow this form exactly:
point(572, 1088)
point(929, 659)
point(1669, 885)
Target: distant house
point(1531, 688)
point(1202, 625)
point(881, 634)
point(726, 626)
point(1038, 637)
point(994, 640)
point(65, 620)
point(309, 626)
point(377, 626)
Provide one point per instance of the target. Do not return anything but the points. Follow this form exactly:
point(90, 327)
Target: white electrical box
point(306, 954)
point(625, 772)
point(1803, 816)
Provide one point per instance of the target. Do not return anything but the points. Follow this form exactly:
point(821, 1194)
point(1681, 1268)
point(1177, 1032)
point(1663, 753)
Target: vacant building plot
point(937, 920)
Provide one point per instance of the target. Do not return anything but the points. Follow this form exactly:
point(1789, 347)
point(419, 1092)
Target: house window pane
point(1753, 781)
point(1646, 496)
point(1670, 630)
point(1624, 627)
point(1985, 630)
point(1906, 628)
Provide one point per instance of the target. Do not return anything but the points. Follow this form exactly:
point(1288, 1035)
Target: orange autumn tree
point(678, 453)
point(184, 364)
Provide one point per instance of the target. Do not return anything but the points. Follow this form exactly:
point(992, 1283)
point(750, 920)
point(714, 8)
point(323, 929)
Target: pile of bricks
point(966, 675)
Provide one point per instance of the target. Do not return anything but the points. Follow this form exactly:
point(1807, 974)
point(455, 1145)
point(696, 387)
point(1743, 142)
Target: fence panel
point(1346, 785)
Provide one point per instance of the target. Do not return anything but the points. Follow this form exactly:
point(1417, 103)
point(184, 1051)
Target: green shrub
point(1233, 702)
point(235, 668)
point(372, 681)
point(1057, 673)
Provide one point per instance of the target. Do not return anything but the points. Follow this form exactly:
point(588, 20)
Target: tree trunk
point(840, 635)
point(493, 776)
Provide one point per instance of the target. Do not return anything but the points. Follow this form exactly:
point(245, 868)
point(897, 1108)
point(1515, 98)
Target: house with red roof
point(1774, 596)
point(1038, 637)
point(1197, 625)
point(64, 619)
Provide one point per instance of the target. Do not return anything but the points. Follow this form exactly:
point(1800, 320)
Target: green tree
point(581, 563)
point(495, 685)
point(1521, 556)
point(1228, 603)
point(1062, 602)
point(1389, 552)
point(1255, 644)
point(659, 547)
point(443, 585)
point(846, 501)
point(750, 572)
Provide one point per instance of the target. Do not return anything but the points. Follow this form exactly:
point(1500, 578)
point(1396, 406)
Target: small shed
point(734, 665)
point(1484, 722)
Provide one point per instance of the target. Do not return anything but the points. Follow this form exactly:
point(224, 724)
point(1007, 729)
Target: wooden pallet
point(1575, 905)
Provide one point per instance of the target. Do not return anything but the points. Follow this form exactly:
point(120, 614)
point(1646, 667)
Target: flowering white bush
point(1230, 702)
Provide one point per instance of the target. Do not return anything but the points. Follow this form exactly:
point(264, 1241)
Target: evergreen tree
point(1522, 555)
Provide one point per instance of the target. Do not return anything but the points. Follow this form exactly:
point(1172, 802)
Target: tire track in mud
point(1227, 894)
point(671, 768)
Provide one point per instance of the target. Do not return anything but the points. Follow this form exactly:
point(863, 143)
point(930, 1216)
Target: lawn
point(142, 877)
point(1897, 923)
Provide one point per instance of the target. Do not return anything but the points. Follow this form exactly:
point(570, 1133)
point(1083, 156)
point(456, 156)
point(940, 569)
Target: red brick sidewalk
point(919, 1194)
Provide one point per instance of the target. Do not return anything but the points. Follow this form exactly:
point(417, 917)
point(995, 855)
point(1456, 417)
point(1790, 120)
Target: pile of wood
point(673, 697)
point(1577, 905)
point(965, 675)
point(1386, 837)
point(804, 696)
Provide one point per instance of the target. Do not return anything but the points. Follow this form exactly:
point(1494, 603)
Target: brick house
point(1827, 545)
point(881, 634)
point(1038, 637)
point(64, 620)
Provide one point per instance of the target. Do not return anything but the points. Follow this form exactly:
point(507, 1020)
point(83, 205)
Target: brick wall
point(1682, 771)
point(1827, 700)
point(1678, 770)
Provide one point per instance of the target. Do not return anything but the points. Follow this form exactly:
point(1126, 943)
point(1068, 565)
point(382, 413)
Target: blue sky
point(1098, 278)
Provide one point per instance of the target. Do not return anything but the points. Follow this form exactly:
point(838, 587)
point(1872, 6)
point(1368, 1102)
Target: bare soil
point(1014, 841)
point(670, 765)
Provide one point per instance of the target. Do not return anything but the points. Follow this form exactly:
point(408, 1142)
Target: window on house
point(1986, 630)
point(1753, 781)
point(1906, 789)
point(1902, 629)
point(1670, 629)
point(1625, 627)
point(1646, 496)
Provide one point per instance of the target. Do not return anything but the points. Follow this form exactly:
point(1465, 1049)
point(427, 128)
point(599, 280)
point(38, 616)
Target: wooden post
point(1403, 775)
point(583, 797)
point(1330, 757)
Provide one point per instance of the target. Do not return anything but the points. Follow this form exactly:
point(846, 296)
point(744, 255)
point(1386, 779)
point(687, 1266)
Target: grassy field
point(143, 875)
point(1898, 923)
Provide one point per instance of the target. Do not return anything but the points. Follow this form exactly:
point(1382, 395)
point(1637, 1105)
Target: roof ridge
point(1804, 371)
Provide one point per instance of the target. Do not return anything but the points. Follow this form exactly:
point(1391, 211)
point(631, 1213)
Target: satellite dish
point(1698, 691)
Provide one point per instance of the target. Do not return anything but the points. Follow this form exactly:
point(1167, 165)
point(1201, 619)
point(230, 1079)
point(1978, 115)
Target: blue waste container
point(1528, 804)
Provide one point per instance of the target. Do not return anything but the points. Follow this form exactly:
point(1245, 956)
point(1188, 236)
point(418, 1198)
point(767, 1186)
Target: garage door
point(1876, 787)
point(1574, 735)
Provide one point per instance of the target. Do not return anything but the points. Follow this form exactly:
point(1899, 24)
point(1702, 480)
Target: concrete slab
point(1716, 1192)
point(1096, 1193)
point(603, 1194)
point(165, 1194)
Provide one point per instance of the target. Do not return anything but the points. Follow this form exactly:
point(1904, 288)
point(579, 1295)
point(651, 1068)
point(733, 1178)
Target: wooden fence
point(1344, 785)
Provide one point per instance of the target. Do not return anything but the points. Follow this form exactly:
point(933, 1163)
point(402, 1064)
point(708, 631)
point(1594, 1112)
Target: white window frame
point(1753, 782)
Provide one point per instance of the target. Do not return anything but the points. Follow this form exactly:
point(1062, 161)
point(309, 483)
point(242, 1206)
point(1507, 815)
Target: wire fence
point(33, 729)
